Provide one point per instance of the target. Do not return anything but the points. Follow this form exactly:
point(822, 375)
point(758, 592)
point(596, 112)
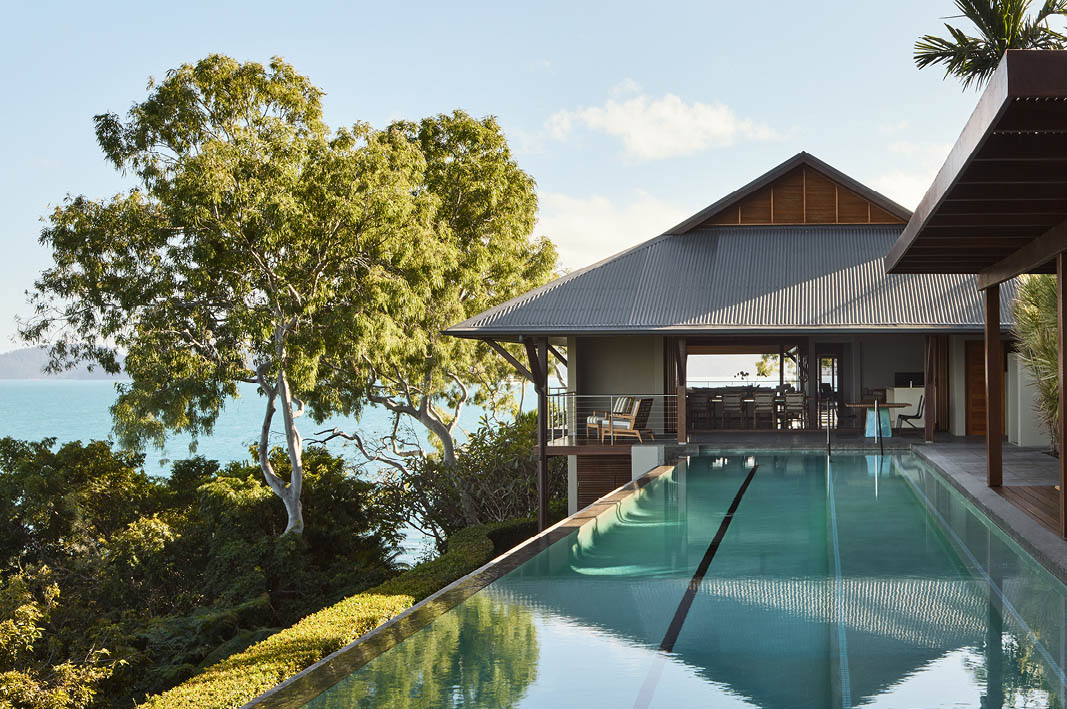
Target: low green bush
point(243, 676)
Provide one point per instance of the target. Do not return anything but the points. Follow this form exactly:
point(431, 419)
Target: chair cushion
point(617, 423)
point(623, 405)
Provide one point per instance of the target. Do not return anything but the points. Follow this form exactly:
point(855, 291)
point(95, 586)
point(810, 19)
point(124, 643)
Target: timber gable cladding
point(804, 195)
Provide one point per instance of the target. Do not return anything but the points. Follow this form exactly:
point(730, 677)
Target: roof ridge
point(801, 158)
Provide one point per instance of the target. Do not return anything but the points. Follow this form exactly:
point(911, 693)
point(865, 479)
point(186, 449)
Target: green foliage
point(256, 242)
point(260, 246)
point(242, 677)
point(28, 677)
point(1001, 25)
point(485, 210)
point(1035, 314)
point(493, 478)
point(167, 573)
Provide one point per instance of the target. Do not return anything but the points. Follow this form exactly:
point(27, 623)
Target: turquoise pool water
point(864, 581)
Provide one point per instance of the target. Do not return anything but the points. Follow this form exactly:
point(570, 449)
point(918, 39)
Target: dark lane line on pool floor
point(648, 688)
point(694, 583)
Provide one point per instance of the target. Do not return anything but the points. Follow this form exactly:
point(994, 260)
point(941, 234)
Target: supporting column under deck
point(681, 405)
point(929, 407)
point(1061, 426)
point(994, 391)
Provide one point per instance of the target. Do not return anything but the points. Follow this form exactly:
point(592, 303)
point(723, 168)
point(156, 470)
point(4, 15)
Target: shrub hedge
point(240, 678)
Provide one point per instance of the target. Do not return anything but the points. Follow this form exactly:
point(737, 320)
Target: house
point(790, 267)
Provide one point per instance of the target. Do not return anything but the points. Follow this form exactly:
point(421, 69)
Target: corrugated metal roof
point(804, 277)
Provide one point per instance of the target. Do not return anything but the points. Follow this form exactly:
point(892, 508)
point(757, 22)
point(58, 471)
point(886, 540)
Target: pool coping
point(1044, 546)
point(301, 688)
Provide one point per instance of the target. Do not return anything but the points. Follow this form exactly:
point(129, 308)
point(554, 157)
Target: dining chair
point(763, 406)
point(733, 408)
point(793, 409)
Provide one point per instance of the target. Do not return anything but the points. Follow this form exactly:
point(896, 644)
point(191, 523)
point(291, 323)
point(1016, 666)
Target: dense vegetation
point(139, 582)
point(492, 480)
point(243, 676)
point(1036, 325)
point(115, 585)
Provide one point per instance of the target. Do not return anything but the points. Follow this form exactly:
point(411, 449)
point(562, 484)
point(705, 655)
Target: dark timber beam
point(1061, 425)
point(1028, 258)
point(682, 355)
point(557, 355)
point(537, 353)
point(994, 399)
point(511, 360)
point(929, 407)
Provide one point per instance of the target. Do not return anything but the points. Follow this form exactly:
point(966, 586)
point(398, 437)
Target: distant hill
point(29, 363)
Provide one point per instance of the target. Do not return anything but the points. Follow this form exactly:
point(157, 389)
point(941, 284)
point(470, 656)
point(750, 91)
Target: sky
point(630, 116)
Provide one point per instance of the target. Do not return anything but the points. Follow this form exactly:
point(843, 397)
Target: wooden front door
point(975, 387)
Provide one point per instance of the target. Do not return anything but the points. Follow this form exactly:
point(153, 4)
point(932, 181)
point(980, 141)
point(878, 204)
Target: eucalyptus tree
point(485, 211)
point(256, 246)
point(1001, 25)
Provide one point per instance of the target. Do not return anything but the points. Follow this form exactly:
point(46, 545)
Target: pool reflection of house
point(790, 266)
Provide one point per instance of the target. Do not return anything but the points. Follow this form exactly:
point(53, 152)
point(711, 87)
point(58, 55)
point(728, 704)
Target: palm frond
point(1001, 25)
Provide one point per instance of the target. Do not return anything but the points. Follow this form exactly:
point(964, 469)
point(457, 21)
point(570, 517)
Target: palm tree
point(1001, 25)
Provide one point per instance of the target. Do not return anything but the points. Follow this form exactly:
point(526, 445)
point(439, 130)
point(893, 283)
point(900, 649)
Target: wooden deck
point(1039, 501)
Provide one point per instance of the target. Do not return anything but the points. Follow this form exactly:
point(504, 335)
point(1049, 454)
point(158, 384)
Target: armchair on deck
point(622, 405)
point(634, 423)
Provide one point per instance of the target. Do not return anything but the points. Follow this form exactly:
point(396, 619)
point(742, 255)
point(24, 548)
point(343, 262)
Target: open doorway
point(745, 386)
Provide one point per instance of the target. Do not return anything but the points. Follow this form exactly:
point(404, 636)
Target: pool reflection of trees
point(482, 653)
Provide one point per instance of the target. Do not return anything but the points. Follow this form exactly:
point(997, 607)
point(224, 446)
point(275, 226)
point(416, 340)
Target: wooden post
point(929, 405)
point(1061, 426)
point(542, 434)
point(537, 354)
point(681, 354)
point(994, 400)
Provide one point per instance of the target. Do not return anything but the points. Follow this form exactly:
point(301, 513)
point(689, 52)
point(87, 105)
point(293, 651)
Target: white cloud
point(656, 128)
point(588, 229)
point(907, 186)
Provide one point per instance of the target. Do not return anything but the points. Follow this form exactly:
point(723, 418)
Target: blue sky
point(629, 116)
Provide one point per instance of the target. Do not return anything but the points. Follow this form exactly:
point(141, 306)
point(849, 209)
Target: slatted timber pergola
point(998, 208)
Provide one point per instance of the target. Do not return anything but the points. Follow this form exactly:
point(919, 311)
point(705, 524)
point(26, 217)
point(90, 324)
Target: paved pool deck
point(962, 461)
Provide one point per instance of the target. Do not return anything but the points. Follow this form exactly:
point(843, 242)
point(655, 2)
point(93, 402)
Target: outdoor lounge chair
point(623, 405)
point(632, 424)
point(910, 419)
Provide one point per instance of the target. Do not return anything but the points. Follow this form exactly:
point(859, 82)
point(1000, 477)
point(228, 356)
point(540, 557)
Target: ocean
point(77, 410)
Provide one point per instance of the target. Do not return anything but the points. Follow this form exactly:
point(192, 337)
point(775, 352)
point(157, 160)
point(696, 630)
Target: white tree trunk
point(288, 492)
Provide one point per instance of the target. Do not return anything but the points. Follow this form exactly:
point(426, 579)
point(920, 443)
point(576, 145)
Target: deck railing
point(584, 418)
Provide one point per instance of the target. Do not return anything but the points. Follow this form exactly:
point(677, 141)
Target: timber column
point(681, 354)
point(994, 390)
point(1061, 425)
point(537, 353)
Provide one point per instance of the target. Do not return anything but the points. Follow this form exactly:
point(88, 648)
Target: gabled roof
point(800, 160)
point(770, 277)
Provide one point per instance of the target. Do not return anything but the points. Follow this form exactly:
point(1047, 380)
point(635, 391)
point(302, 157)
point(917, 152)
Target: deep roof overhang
point(998, 206)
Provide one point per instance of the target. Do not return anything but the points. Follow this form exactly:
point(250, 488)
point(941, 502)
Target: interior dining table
point(883, 417)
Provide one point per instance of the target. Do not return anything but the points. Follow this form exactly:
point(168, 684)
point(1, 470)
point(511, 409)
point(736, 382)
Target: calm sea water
point(73, 410)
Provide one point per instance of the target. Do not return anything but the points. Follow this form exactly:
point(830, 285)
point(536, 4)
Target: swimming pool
point(750, 580)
